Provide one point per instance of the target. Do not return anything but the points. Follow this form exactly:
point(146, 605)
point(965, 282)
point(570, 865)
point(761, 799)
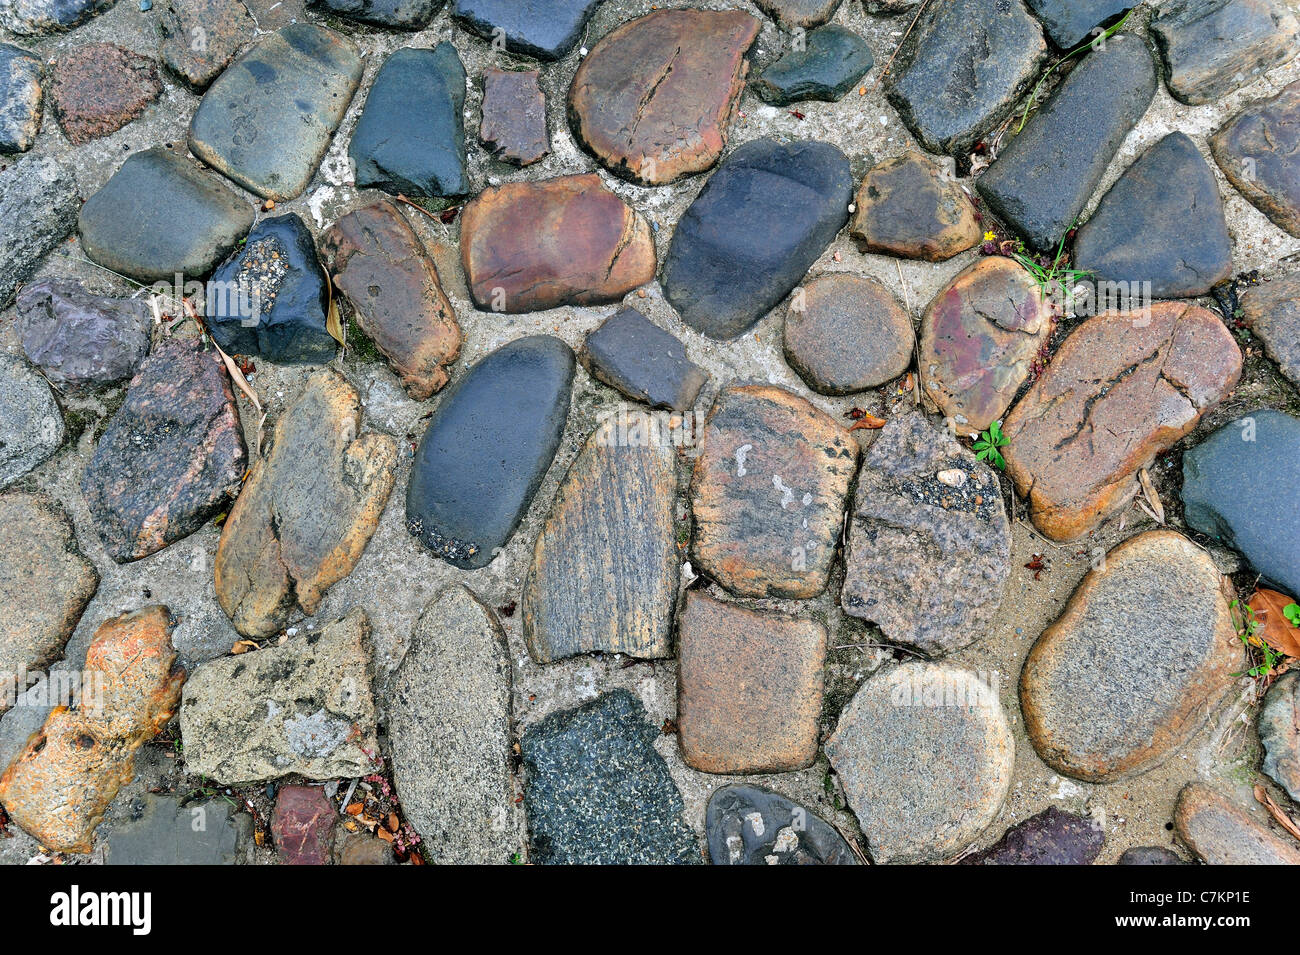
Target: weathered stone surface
point(828, 65)
point(38, 208)
point(1161, 222)
point(61, 784)
point(979, 337)
point(267, 120)
point(170, 457)
point(270, 299)
point(750, 825)
point(307, 511)
point(21, 95)
point(907, 207)
point(749, 688)
point(605, 567)
point(1088, 711)
point(1259, 151)
point(1150, 855)
point(388, 277)
point(31, 424)
point(485, 452)
point(529, 246)
point(223, 25)
point(303, 825)
point(165, 830)
point(846, 332)
point(449, 722)
point(1043, 179)
point(1279, 732)
point(1213, 47)
point(925, 754)
point(304, 706)
point(768, 492)
point(399, 14)
point(41, 17)
point(962, 71)
point(45, 584)
point(543, 29)
point(646, 363)
point(1259, 518)
point(596, 792)
point(79, 340)
point(129, 225)
point(1069, 22)
point(1122, 388)
point(752, 233)
point(514, 116)
point(363, 850)
point(923, 495)
point(799, 13)
point(100, 87)
point(410, 137)
point(1220, 832)
point(1052, 837)
point(653, 99)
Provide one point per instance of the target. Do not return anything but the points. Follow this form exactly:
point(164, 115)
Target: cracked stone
point(1221, 832)
point(908, 207)
point(1259, 151)
point(542, 29)
point(31, 424)
point(223, 25)
point(630, 353)
point(751, 825)
point(514, 116)
point(1052, 837)
point(302, 825)
point(21, 95)
point(100, 87)
point(39, 202)
point(79, 340)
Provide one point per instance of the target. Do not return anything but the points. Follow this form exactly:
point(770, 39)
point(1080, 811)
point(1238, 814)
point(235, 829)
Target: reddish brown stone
point(979, 338)
point(1259, 151)
point(382, 267)
point(1272, 311)
point(514, 116)
point(529, 246)
point(60, 785)
point(654, 98)
point(303, 825)
point(768, 492)
point(749, 688)
point(907, 208)
point(1122, 388)
point(99, 88)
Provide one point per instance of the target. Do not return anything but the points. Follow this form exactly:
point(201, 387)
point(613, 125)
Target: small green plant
point(1094, 42)
point(1055, 277)
point(1292, 613)
point(986, 446)
point(1247, 631)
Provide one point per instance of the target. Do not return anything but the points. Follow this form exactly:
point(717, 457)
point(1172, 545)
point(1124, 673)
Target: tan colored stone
point(1223, 833)
point(906, 207)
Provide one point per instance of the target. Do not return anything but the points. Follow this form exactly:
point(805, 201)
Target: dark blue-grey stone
point(1150, 855)
point(399, 14)
point(20, 99)
point(597, 793)
point(753, 232)
point(1069, 22)
point(163, 830)
point(40, 17)
point(270, 299)
point(1043, 178)
point(487, 449)
point(830, 64)
point(1241, 485)
point(646, 363)
point(544, 29)
point(1052, 837)
point(750, 825)
point(1161, 222)
point(410, 138)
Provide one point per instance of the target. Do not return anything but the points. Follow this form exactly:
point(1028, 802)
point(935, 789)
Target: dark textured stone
point(21, 95)
point(38, 208)
point(129, 226)
point(1259, 151)
point(1257, 517)
point(922, 494)
point(410, 138)
point(100, 87)
point(829, 64)
point(388, 277)
point(1279, 732)
point(752, 233)
point(170, 457)
point(544, 29)
point(1052, 837)
point(596, 792)
point(1043, 179)
point(223, 26)
point(31, 424)
point(1221, 832)
point(79, 340)
point(1161, 222)
point(165, 830)
point(1150, 855)
point(605, 567)
point(963, 69)
point(270, 299)
point(267, 120)
point(750, 825)
point(307, 510)
point(303, 825)
point(487, 449)
point(514, 116)
point(1213, 47)
point(791, 14)
point(41, 17)
point(1069, 22)
point(908, 207)
point(399, 14)
point(646, 363)
point(1272, 311)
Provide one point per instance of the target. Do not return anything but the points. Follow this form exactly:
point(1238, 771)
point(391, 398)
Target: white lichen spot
point(741, 453)
point(755, 820)
point(787, 493)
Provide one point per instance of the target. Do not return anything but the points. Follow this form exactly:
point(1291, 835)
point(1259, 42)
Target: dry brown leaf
point(334, 324)
point(356, 809)
point(384, 834)
point(1149, 492)
point(243, 646)
point(1283, 820)
point(869, 421)
point(1274, 628)
point(391, 822)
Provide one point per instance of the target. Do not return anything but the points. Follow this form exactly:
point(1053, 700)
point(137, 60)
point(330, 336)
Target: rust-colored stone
point(1122, 388)
point(654, 98)
point(59, 787)
point(390, 280)
point(514, 116)
point(906, 207)
point(529, 246)
point(303, 825)
point(1259, 151)
point(749, 688)
point(99, 88)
